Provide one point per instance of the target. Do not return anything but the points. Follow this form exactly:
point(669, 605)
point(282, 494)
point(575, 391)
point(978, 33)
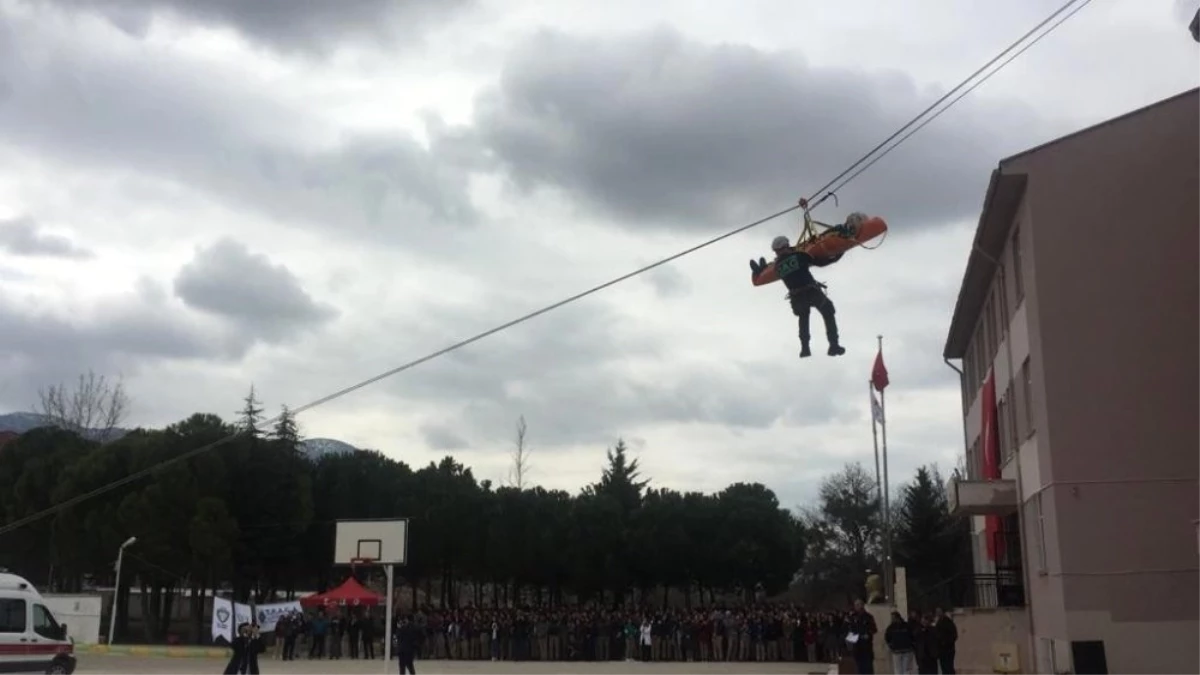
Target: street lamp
point(112, 619)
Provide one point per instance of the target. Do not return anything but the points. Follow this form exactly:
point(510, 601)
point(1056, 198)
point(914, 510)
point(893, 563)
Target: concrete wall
point(979, 631)
point(81, 614)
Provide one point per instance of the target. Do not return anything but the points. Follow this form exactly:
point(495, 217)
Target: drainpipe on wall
point(961, 387)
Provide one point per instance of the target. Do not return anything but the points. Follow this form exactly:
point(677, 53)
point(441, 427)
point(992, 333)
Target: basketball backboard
point(383, 541)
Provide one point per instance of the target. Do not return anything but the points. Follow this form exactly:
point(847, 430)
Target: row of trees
point(256, 516)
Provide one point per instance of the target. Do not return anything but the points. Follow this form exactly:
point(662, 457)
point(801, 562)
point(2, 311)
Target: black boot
point(836, 350)
point(805, 352)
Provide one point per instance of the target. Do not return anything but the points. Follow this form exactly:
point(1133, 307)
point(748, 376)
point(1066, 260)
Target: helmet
point(779, 243)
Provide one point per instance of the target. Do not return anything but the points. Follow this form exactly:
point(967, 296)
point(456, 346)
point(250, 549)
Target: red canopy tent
point(349, 593)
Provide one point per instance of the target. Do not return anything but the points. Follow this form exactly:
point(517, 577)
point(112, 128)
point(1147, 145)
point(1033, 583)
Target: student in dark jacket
point(237, 661)
point(407, 639)
point(861, 624)
point(947, 636)
point(925, 643)
point(254, 647)
point(899, 639)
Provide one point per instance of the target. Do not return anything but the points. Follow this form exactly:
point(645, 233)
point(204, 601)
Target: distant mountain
point(21, 422)
point(315, 448)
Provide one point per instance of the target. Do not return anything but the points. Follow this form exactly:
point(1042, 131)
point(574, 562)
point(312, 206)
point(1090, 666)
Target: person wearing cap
point(805, 293)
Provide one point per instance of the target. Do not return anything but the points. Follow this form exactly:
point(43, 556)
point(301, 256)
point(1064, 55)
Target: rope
point(805, 204)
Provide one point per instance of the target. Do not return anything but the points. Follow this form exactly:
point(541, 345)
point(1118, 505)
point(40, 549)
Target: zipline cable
point(78, 499)
point(956, 99)
point(938, 102)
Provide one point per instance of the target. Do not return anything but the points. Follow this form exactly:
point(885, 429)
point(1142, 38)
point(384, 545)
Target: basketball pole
point(387, 631)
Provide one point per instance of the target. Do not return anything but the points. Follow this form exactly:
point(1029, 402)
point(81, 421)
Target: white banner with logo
point(227, 616)
point(268, 615)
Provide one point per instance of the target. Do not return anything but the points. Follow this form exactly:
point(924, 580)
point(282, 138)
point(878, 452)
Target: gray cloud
point(22, 237)
point(227, 280)
point(440, 437)
point(125, 334)
point(192, 124)
point(307, 26)
point(660, 131)
point(668, 282)
point(581, 374)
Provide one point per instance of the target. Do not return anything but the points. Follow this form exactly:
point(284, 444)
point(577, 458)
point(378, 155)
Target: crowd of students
point(754, 633)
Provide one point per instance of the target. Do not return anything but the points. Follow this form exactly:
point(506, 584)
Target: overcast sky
point(201, 195)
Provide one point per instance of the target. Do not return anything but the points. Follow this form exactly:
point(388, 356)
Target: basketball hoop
point(363, 561)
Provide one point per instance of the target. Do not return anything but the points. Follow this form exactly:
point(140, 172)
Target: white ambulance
point(31, 640)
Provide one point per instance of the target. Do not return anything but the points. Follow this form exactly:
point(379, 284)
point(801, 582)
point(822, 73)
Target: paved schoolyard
point(129, 665)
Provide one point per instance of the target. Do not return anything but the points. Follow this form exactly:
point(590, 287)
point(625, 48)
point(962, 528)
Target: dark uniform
point(804, 292)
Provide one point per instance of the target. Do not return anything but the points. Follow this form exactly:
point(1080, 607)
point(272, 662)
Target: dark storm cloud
point(119, 335)
point(314, 26)
point(227, 280)
point(658, 130)
point(23, 237)
point(191, 124)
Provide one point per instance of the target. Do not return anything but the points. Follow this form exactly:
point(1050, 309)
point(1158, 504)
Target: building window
point(12, 616)
point(970, 380)
point(1004, 442)
point(1018, 270)
point(1006, 423)
point(1040, 519)
point(1011, 418)
point(1027, 391)
point(993, 335)
point(1002, 303)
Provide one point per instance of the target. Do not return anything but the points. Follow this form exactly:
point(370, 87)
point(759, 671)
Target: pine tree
point(620, 479)
point(928, 541)
point(250, 416)
point(286, 431)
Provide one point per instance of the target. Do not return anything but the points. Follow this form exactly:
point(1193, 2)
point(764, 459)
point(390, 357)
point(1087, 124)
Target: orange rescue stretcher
point(833, 242)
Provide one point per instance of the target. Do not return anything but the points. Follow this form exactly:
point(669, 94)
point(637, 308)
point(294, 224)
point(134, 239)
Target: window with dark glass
point(12, 615)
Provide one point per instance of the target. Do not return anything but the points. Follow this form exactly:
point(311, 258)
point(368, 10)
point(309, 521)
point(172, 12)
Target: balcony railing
point(1003, 588)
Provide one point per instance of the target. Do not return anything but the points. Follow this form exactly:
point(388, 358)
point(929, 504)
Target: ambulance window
point(12, 616)
point(44, 623)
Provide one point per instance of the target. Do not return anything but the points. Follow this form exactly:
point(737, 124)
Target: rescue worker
point(804, 292)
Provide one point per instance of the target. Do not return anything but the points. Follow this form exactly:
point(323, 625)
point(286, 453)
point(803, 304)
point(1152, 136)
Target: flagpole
point(887, 512)
point(875, 438)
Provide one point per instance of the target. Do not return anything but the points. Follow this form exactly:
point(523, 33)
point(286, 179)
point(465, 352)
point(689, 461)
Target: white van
point(31, 640)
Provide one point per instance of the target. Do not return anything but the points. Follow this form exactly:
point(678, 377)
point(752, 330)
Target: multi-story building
point(1078, 330)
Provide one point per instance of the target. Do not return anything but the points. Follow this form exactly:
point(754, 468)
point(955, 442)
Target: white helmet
point(780, 242)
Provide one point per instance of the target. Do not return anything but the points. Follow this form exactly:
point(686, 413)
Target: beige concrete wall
point(979, 631)
point(1138, 646)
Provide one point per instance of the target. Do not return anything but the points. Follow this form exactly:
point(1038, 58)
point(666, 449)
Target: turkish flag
point(991, 460)
point(879, 374)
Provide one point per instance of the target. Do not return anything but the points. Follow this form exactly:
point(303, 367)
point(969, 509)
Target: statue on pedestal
point(874, 587)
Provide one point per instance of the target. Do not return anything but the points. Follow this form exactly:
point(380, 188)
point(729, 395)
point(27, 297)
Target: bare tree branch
point(94, 407)
point(520, 458)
